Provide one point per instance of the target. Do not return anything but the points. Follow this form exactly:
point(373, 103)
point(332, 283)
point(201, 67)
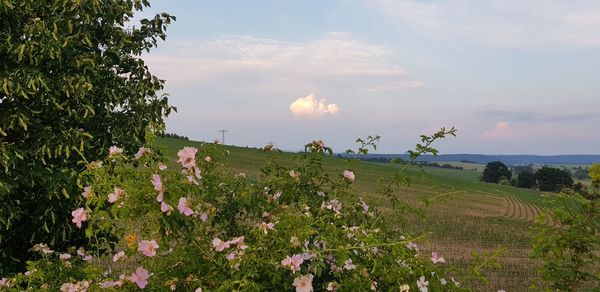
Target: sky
point(513, 76)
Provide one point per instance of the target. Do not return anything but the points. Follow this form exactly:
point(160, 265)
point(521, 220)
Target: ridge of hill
point(506, 159)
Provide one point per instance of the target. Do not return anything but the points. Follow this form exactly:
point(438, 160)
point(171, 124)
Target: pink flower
point(304, 283)
point(64, 256)
point(276, 196)
point(239, 241)
point(422, 284)
point(412, 245)
point(157, 182)
point(148, 247)
point(220, 245)
point(165, 208)
point(266, 226)
point(140, 277)
point(208, 159)
point(187, 157)
point(365, 207)
point(183, 207)
point(204, 217)
point(162, 166)
point(114, 151)
point(435, 258)
point(87, 192)
point(334, 205)
point(111, 284)
point(349, 175)
point(119, 256)
point(230, 256)
point(4, 282)
point(158, 186)
point(348, 265)
point(293, 262)
point(141, 152)
point(115, 195)
point(79, 216)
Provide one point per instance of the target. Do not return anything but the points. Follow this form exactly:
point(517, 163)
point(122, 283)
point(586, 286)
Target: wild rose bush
point(196, 227)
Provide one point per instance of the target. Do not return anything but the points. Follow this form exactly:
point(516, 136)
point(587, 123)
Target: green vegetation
point(495, 172)
point(72, 83)
point(475, 217)
point(550, 179)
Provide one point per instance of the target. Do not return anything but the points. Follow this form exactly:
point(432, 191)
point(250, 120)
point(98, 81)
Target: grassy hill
point(477, 217)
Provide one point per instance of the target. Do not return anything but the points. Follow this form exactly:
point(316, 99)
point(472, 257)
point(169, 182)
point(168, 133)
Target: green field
point(479, 217)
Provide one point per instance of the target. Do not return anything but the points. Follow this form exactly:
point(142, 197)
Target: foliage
point(548, 179)
point(525, 180)
point(494, 171)
point(72, 83)
point(201, 227)
point(571, 251)
point(173, 135)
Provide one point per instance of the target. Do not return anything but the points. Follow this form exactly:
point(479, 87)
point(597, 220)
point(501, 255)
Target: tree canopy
point(550, 179)
point(72, 83)
point(494, 171)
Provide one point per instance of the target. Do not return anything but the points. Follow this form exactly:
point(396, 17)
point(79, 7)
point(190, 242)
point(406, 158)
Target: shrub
point(570, 252)
point(72, 83)
point(199, 227)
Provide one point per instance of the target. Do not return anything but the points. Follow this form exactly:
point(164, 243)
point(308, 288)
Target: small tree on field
point(72, 83)
point(494, 171)
point(549, 179)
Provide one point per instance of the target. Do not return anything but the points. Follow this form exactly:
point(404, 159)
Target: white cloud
point(274, 65)
point(500, 22)
point(309, 106)
point(502, 130)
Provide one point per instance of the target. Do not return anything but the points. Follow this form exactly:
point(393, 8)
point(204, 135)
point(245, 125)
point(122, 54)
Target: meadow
point(471, 217)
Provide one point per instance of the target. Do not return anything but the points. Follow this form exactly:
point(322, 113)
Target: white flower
point(443, 281)
point(422, 284)
point(404, 288)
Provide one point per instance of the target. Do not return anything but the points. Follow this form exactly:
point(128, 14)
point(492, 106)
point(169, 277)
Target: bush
point(72, 83)
point(570, 253)
point(199, 227)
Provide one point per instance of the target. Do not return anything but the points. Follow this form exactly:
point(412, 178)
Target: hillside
point(474, 217)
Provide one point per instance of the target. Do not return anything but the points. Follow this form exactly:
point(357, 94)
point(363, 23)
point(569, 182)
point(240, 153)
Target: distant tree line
point(547, 179)
point(419, 163)
point(172, 135)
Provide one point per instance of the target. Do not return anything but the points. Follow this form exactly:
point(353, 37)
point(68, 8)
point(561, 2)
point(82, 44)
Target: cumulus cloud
point(334, 61)
point(310, 106)
point(500, 22)
point(502, 130)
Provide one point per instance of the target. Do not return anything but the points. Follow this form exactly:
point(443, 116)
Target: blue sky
point(515, 77)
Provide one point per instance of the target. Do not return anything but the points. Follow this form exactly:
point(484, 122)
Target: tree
point(72, 83)
point(494, 171)
point(550, 179)
point(525, 180)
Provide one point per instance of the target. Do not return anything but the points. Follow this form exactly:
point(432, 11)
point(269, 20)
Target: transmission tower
point(223, 136)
